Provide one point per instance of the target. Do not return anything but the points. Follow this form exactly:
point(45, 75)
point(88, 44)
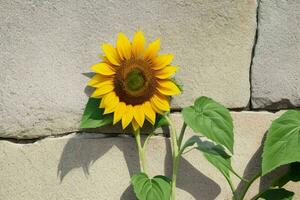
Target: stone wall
point(243, 53)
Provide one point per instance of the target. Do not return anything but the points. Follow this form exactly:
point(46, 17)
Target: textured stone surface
point(48, 46)
point(276, 65)
point(94, 166)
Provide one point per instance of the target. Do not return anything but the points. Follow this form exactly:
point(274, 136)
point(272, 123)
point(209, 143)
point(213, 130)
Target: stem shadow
point(190, 179)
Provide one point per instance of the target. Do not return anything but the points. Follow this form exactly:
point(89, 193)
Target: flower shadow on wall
point(82, 152)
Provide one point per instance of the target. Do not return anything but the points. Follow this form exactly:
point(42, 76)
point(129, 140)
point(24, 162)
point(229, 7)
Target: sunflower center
point(135, 80)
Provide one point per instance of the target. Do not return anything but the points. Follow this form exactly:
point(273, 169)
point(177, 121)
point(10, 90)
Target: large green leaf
point(190, 142)
point(293, 174)
point(217, 156)
point(277, 194)
point(282, 145)
point(157, 188)
point(210, 119)
point(93, 116)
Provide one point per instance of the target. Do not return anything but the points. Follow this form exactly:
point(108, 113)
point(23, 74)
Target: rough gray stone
point(95, 166)
point(276, 64)
point(47, 48)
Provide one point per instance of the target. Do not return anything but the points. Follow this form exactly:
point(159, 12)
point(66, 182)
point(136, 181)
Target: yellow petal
point(127, 116)
point(166, 72)
point(96, 79)
point(152, 50)
point(160, 102)
point(123, 46)
point(167, 87)
point(101, 84)
point(106, 99)
point(162, 61)
point(103, 68)
point(139, 115)
point(155, 108)
point(119, 112)
point(135, 125)
point(138, 44)
point(105, 59)
point(112, 103)
point(103, 90)
point(103, 100)
point(111, 54)
point(149, 112)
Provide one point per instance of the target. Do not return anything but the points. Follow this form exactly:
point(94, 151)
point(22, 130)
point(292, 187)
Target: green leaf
point(277, 194)
point(157, 188)
point(217, 156)
point(93, 116)
point(210, 119)
point(282, 145)
point(293, 174)
point(190, 142)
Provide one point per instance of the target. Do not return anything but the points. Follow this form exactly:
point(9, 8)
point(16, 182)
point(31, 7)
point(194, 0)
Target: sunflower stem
point(142, 158)
point(147, 140)
point(181, 134)
point(175, 157)
point(247, 186)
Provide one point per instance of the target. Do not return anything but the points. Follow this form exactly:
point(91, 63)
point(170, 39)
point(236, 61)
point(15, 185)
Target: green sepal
point(179, 85)
point(161, 120)
point(93, 116)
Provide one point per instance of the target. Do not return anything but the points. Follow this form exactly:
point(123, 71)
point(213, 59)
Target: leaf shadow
point(88, 90)
point(254, 166)
point(80, 152)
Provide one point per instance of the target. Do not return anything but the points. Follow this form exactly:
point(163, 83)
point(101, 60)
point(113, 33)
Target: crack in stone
point(93, 135)
point(238, 109)
point(74, 134)
point(272, 106)
point(34, 140)
point(250, 106)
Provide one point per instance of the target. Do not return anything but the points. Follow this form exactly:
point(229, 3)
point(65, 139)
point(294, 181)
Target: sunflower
point(134, 82)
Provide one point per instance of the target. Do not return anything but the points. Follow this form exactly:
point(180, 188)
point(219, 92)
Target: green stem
point(237, 175)
point(147, 140)
point(143, 163)
point(247, 186)
point(174, 176)
point(231, 187)
point(182, 153)
point(181, 134)
point(175, 157)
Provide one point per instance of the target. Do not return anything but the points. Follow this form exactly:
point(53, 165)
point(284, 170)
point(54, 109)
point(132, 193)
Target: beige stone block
point(47, 48)
point(98, 166)
point(275, 70)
